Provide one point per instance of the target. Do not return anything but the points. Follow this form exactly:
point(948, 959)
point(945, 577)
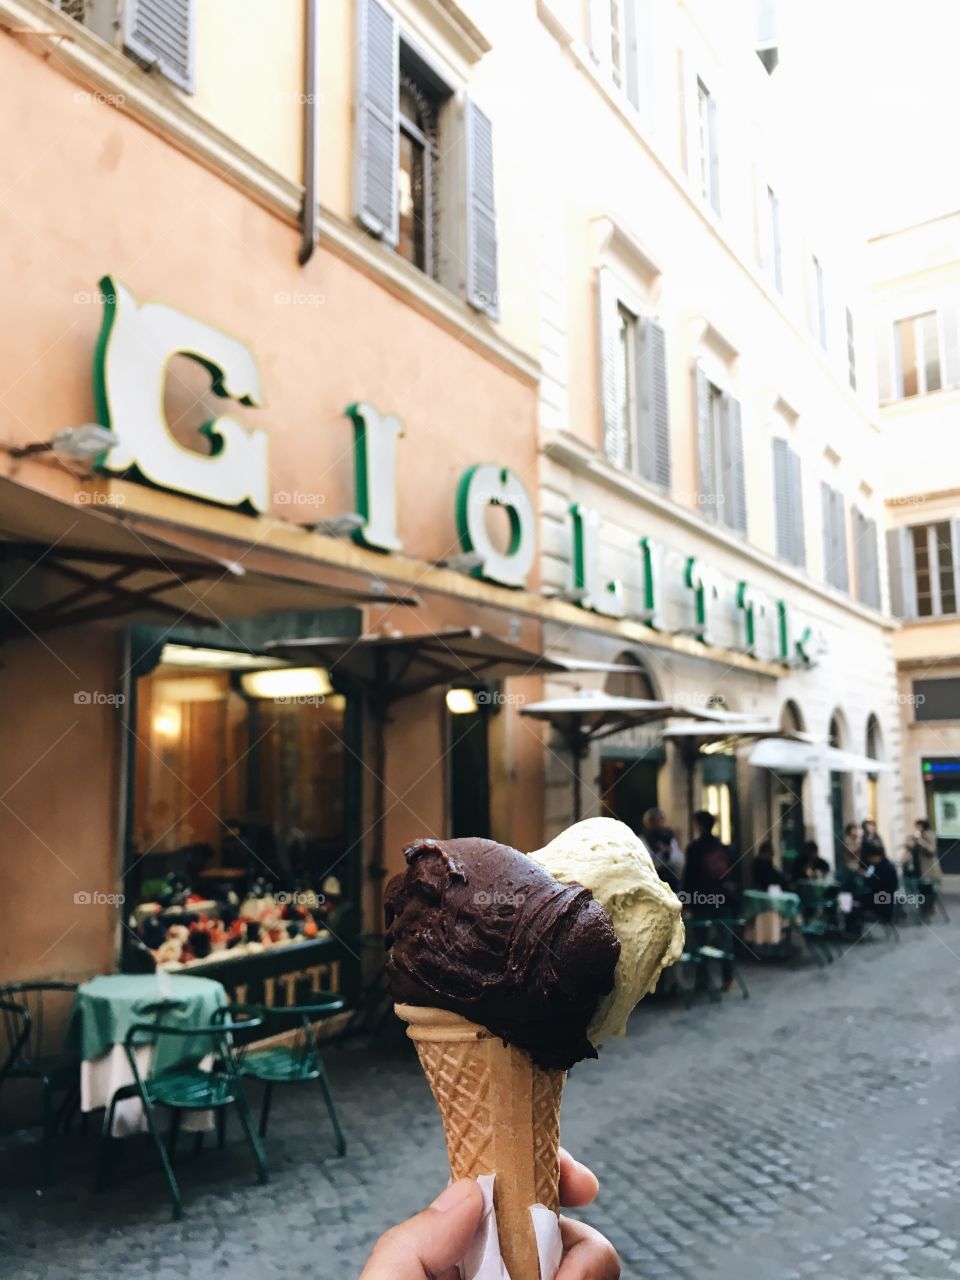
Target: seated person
point(765, 873)
point(881, 883)
point(809, 865)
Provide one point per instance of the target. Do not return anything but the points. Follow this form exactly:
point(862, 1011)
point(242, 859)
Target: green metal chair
point(184, 1087)
point(290, 1056)
point(31, 1033)
point(715, 942)
point(818, 921)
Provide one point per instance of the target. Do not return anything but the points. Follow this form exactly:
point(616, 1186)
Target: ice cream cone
point(501, 1115)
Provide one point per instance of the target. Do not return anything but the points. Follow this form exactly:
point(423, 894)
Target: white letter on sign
point(480, 487)
point(136, 343)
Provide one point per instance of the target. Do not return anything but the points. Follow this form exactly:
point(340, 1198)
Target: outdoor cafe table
point(104, 1010)
point(765, 911)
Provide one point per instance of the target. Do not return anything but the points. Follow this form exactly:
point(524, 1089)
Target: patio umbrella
point(391, 668)
point(586, 717)
point(802, 756)
point(728, 728)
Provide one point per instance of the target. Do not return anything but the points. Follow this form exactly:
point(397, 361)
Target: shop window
point(239, 818)
point(468, 711)
point(937, 699)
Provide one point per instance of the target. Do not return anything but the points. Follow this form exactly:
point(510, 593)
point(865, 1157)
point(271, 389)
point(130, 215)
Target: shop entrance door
point(720, 797)
point(837, 815)
point(469, 776)
point(628, 788)
point(788, 813)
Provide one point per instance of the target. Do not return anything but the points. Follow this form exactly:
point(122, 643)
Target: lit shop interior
point(241, 774)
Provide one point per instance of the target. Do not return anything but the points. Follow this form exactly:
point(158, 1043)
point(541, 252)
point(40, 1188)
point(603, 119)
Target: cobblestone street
point(811, 1130)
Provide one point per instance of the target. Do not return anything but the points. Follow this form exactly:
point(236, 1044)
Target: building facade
point(916, 291)
point(407, 316)
point(708, 411)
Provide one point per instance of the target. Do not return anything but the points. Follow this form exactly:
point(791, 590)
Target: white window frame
point(851, 332)
point(772, 202)
point(818, 301)
point(933, 564)
point(916, 321)
point(618, 39)
point(706, 142)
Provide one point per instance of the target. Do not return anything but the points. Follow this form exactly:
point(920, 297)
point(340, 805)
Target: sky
point(880, 93)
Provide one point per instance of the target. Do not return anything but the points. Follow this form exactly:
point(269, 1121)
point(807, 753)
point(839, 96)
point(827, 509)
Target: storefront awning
point(64, 563)
point(395, 667)
point(791, 756)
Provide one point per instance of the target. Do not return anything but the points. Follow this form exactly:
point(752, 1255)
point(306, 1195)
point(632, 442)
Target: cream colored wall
point(250, 77)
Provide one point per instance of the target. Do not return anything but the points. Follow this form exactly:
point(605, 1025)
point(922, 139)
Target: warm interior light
point(461, 702)
point(167, 722)
point(189, 689)
point(185, 655)
point(288, 682)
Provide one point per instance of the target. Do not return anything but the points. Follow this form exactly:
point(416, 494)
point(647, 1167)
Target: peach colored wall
point(324, 336)
point(58, 821)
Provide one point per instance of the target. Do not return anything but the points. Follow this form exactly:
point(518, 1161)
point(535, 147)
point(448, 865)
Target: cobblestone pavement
point(811, 1130)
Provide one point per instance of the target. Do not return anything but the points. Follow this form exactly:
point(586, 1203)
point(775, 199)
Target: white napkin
point(483, 1260)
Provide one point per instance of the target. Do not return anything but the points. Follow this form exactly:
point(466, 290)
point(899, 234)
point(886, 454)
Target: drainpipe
point(311, 131)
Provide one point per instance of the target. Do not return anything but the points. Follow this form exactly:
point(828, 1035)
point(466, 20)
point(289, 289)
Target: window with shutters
point(934, 568)
point(634, 384)
point(836, 565)
point(709, 172)
point(851, 351)
point(160, 35)
point(423, 163)
point(788, 504)
point(917, 354)
point(721, 496)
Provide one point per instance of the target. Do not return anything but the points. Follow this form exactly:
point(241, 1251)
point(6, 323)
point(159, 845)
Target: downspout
point(311, 131)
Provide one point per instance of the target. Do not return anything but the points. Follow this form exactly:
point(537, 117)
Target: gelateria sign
point(136, 344)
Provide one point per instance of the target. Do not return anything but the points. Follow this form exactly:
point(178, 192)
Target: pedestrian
point(852, 848)
point(922, 849)
point(710, 890)
point(765, 873)
point(809, 865)
point(664, 847)
point(436, 1241)
point(871, 839)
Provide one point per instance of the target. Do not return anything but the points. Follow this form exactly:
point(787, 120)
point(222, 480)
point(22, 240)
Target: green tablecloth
point(106, 1007)
point(755, 902)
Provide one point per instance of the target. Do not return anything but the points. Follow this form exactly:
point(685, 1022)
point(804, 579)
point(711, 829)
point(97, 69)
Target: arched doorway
point(630, 761)
point(840, 787)
point(787, 797)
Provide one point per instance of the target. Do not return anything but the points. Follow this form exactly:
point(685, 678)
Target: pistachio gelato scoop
point(607, 858)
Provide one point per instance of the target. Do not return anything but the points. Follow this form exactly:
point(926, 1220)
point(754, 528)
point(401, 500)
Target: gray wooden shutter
point(840, 540)
point(611, 393)
point(796, 497)
point(706, 454)
point(885, 382)
point(827, 525)
point(162, 34)
point(902, 573)
point(598, 19)
point(734, 481)
point(713, 143)
point(655, 403)
point(482, 289)
point(631, 54)
point(950, 337)
point(783, 499)
point(864, 552)
point(873, 564)
point(376, 146)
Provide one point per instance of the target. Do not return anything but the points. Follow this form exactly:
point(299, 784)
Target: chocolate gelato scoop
point(479, 929)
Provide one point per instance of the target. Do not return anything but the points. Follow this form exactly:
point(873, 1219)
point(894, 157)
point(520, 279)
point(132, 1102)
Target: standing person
point(852, 847)
point(710, 890)
point(922, 848)
point(664, 848)
point(871, 840)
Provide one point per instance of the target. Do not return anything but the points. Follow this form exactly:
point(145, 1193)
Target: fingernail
point(453, 1195)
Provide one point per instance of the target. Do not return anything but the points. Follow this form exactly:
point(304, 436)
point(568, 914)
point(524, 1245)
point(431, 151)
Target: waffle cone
point(501, 1115)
